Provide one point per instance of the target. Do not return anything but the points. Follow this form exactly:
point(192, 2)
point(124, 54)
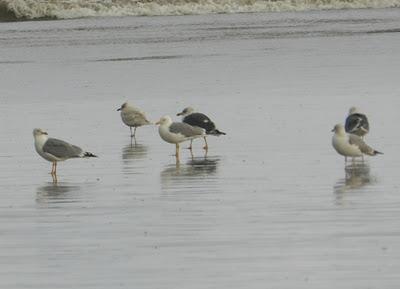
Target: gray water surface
point(270, 206)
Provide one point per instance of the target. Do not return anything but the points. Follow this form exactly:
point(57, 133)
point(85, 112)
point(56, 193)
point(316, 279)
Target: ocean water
point(64, 9)
point(270, 206)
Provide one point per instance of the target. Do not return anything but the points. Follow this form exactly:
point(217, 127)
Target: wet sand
point(271, 205)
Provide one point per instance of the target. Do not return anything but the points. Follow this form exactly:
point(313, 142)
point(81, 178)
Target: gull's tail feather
point(216, 132)
point(89, 155)
point(377, 153)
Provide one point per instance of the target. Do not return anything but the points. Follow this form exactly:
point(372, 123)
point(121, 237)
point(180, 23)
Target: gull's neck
point(189, 113)
point(340, 132)
point(167, 123)
point(40, 140)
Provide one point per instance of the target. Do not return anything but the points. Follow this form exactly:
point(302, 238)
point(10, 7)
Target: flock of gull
point(194, 125)
point(347, 140)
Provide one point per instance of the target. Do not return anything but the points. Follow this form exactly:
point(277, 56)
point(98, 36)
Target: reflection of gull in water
point(57, 193)
point(130, 156)
point(357, 175)
point(183, 176)
point(203, 166)
point(134, 152)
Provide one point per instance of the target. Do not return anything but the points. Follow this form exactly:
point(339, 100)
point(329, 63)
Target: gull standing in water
point(132, 117)
point(350, 145)
point(55, 150)
point(198, 119)
point(177, 132)
point(357, 123)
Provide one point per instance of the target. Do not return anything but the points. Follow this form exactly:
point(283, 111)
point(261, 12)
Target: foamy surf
point(64, 9)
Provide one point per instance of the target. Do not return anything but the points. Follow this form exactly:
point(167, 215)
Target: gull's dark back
point(357, 123)
point(61, 149)
point(200, 120)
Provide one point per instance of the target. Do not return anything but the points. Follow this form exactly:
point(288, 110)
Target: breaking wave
point(65, 9)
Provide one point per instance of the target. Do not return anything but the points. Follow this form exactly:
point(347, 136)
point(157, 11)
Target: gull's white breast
point(342, 145)
point(170, 137)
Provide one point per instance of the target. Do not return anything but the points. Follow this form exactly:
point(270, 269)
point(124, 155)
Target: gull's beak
point(118, 109)
point(157, 123)
point(178, 114)
point(45, 133)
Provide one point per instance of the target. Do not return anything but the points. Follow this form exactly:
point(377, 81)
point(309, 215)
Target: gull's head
point(165, 120)
point(338, 129)
point(38, 132)
point(186, 111)
point(353, 110)
point(125, 104)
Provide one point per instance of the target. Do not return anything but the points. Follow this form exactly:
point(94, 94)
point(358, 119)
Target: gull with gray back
point(177, 132)
point(350, 145)
point(55, 150)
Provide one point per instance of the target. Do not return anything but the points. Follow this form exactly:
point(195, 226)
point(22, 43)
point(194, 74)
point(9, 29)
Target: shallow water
point(271, 205)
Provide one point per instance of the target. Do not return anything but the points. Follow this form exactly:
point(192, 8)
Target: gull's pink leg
point(177, 153)
point(206, 146)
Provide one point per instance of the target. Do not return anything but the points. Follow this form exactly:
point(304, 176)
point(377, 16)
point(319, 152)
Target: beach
point(271, 205)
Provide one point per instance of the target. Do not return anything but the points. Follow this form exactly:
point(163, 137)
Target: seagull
point(177, 132)
point(55, 150)
point(132, 117)
point(350, 145)
point(198, 119)
point(357, 123)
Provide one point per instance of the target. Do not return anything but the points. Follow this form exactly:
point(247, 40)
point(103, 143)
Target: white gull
point(177, 132)
point(350, 145)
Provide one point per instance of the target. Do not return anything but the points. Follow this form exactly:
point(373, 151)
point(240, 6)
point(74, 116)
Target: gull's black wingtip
point(89, 155)
point(216, 132)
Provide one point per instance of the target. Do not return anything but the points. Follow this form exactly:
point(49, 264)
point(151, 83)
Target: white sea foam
point(63, 9)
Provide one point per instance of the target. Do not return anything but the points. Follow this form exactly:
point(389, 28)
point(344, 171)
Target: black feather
point(200, 120)
point(89, 155)
point(357, 123)
point(216, 132)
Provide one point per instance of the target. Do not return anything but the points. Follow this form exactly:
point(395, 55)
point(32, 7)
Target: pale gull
point(356, 122)
point(177, 132)
point(350, 145)
point(198, 119)
point(132, 117)
point(55, 150)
